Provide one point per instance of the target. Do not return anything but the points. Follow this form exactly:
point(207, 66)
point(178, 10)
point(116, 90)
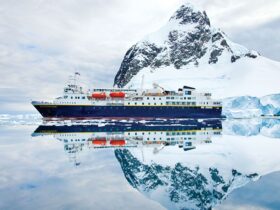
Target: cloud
point(264, 38)
point(42, 42)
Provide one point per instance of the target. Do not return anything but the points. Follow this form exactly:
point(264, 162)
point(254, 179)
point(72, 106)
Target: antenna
point(75, 77)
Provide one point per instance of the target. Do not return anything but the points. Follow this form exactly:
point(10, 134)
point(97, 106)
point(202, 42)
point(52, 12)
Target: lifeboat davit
point(119, 142)
point(99, 142)
point(99, 95)
point(117, 94)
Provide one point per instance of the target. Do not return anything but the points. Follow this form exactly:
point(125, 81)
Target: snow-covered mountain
point(187, 50)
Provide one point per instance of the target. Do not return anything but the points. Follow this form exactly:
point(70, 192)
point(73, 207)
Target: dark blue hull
point(131, 126)
point(80, 111)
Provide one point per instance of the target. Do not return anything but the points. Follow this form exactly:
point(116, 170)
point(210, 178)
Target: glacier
point(248, 106)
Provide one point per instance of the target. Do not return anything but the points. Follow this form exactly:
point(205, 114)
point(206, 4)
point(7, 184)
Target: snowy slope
point(189, 51)
point(258, 77)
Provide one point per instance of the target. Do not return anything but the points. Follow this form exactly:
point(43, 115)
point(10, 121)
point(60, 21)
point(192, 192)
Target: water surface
point(158, 164)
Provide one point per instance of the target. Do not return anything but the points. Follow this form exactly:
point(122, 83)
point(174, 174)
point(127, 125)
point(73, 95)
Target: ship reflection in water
point(183, 134)
point(181, 164)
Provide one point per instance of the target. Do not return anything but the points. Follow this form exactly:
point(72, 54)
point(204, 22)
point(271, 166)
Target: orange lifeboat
point(119, 142)
point(99, 142)
point(117, 94)
point(99, 95)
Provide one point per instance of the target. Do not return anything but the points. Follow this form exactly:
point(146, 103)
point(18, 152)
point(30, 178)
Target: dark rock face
point(214, 55)
point(136, 58)
point(251, 55)
point(182, 185)
point(185, 49)
point(186, 15)
point(190, 38)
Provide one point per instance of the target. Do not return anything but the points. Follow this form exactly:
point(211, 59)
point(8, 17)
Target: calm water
point(160, 164)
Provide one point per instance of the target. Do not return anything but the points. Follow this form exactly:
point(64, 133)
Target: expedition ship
point(129, 103)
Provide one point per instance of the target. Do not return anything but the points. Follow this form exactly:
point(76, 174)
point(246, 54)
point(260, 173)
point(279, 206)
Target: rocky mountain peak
point(187, 40)
point(187, 14)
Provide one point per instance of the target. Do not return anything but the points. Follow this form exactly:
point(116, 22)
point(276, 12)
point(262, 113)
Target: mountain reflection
point(176, 162)
point(181, 186)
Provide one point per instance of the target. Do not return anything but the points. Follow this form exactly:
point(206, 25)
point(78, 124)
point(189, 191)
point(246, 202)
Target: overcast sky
point(43, 41)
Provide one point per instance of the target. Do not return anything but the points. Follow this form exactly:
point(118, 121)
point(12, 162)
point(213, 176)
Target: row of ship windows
point(180, 103)
point(167, 103)
point(76, 97)
point(143, 103)
point(74, 140)
point(67, 134)
point(168, 133)
point(180, 133)
point(217, 103)
point(144, 133)
point(67, 102)
point(168, 139)
point(172, 139)
point(170, 103)
point(149, 107)
point(189, 98)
